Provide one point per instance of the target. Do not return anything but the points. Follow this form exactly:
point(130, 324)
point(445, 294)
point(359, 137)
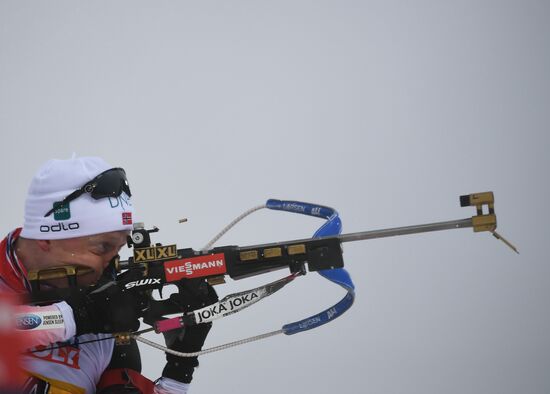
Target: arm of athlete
point(43, 325)
point(178, 372)
point(107, 309)
point(125, 367)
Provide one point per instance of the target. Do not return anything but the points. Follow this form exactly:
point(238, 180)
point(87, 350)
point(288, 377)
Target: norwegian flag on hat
point(126, 218)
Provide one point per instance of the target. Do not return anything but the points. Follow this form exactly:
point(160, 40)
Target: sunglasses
point(110, 183)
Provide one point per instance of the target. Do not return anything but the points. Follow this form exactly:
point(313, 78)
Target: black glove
point(193, 294)
point(105, 309)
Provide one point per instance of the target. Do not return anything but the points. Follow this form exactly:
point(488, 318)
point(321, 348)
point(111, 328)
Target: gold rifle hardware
point(485, 221)
point(155, 253)
point(296, 249)
point(216, 280)
point(57, 272)
point(116, 264)
point(122, 338)
point(248, 255)
point(270, 253)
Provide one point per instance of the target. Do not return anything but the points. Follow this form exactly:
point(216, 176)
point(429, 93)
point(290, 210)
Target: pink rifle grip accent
point(168, 324)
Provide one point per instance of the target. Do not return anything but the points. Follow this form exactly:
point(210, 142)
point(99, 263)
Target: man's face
point(94, 252)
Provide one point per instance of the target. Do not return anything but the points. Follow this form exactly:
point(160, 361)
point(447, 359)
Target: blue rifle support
point(332, 227)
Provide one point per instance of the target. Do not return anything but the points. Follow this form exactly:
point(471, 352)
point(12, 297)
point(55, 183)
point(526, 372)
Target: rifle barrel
point(420, 228)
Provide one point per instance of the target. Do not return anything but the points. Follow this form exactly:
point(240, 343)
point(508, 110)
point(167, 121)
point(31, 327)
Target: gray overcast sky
point(385, 110)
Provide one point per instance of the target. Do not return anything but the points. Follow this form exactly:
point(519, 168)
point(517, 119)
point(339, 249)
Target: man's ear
point(43, 244)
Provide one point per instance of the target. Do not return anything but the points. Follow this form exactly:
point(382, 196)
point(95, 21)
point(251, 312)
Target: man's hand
point(193, 294)
point(105, 309)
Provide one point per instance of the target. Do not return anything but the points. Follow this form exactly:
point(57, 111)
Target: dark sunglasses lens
point(111, 184)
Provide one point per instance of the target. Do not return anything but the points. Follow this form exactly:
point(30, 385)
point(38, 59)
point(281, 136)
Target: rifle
point(153, 266)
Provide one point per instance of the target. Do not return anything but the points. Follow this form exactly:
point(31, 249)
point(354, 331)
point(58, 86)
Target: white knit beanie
point(54, 181)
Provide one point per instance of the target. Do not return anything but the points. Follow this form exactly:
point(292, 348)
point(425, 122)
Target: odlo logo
point(28, 322)
point(55, 228)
